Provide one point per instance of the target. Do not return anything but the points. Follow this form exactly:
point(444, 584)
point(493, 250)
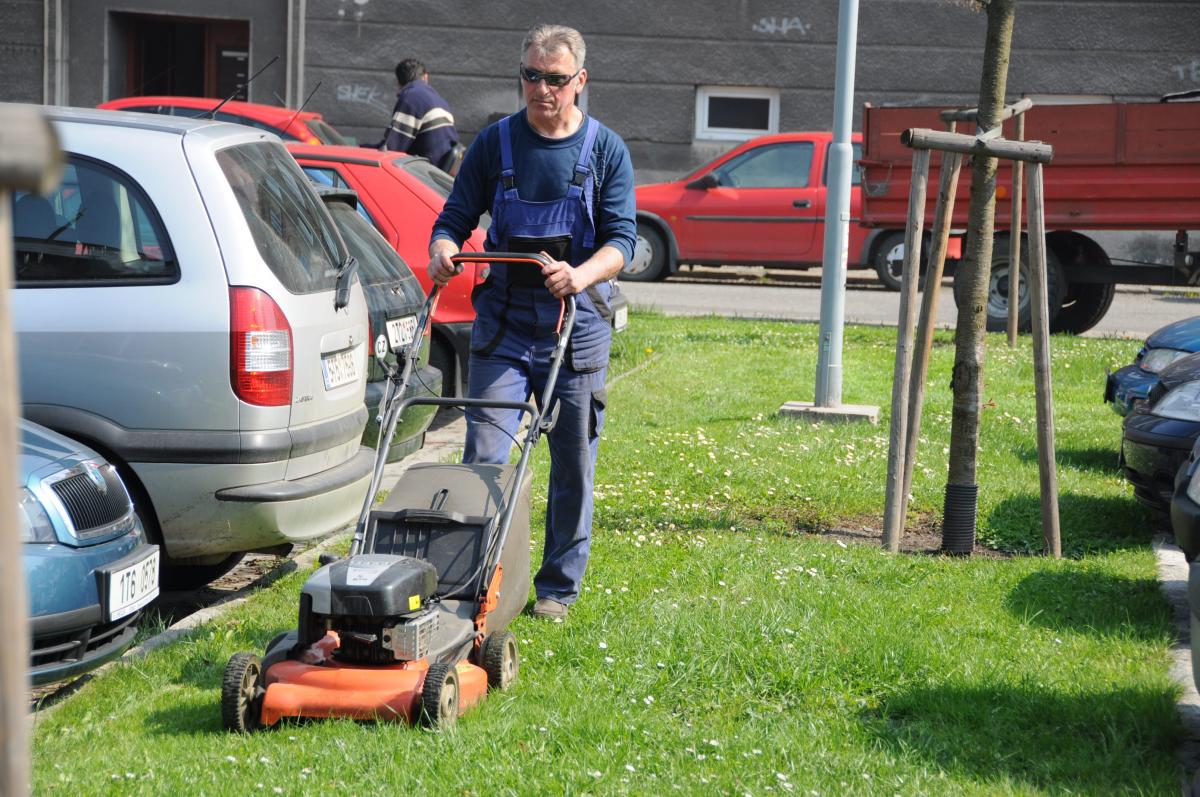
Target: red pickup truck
point(1116, 166)
point(762, 203)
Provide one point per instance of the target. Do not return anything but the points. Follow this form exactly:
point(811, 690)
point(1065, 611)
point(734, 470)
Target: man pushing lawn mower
point(558, 183)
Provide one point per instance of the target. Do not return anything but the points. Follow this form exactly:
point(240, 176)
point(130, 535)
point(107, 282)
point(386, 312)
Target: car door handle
point(801, 203)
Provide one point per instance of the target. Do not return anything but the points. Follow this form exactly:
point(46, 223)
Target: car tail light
point(260, 340)
point(312, 140)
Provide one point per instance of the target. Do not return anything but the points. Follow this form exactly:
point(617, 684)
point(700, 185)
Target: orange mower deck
point(392, 693)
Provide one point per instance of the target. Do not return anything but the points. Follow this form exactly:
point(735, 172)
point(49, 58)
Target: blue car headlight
point(32, 518)
point(1181, 403)
point(1158, 359)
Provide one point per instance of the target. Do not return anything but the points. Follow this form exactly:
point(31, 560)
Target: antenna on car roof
point(301, 108)
point(213, 113)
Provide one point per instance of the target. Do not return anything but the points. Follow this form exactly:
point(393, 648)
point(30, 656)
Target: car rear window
point(378, 263)
point(293, 233)
point(428, 174)
point(324, 131)
point(97, 227)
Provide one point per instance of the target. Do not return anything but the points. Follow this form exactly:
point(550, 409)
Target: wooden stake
point(893, 518)
point(1041, 363)
point(30, 159)
point(1014, 242)
point(14, 614)
point(948, 187)
point(1032, 151)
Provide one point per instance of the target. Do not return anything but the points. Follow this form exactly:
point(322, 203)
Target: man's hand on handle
point(563, 279)
point(440, 268)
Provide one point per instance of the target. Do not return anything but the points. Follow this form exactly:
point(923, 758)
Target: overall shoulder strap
point(583, 166)
point(507, 173)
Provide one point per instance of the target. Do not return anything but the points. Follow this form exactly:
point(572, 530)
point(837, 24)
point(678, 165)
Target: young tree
point(958, 528)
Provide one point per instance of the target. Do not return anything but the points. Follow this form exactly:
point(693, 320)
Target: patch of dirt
point(922, 536)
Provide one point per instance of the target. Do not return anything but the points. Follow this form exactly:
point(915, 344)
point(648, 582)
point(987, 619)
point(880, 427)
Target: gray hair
point(545, 39)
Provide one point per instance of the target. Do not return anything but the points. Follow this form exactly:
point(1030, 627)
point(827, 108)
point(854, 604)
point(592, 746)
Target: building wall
point(645, 62)
point(21, 50)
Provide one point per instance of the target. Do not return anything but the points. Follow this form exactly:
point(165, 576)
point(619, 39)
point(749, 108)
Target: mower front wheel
point(439, 696)
point(241, 693)
point(501, 661)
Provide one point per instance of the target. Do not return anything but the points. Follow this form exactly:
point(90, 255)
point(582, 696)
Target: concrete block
point(846, 413)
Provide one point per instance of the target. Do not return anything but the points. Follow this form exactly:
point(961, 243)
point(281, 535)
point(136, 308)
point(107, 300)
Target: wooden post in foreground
point(30, 160)
point(1041, 363)
point(893, 518)
point(1014, 241)
point(942, 215)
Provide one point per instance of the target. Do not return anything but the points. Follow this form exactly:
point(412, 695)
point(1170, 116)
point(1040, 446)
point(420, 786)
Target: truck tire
point(650, 256)
point(1086, 304)
point(888, 259)
point(997, 295)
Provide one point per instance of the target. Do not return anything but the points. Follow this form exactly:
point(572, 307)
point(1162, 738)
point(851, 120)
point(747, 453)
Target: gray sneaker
point(550, 609)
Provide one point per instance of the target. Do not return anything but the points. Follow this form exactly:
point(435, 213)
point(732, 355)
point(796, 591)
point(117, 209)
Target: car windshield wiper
point(345, 273)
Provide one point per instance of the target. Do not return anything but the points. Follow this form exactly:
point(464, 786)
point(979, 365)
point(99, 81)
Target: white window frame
point(705, 132)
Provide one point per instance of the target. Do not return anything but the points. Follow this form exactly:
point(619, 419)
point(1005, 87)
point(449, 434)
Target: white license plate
point(621, 318)
point(131, 588)
point(401, 331)
point(340, 368)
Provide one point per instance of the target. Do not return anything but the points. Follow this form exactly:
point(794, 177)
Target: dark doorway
point(185, 57)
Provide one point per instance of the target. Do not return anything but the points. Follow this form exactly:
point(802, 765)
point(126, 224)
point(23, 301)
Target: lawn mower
point(411, 625)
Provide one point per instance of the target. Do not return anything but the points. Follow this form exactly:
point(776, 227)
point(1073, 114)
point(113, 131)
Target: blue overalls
point(511, 343)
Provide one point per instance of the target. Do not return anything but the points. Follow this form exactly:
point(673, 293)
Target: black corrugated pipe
point(958, 518)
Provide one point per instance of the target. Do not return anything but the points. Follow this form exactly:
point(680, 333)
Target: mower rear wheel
point(501, 661)
point(439, 696)
point(241, 693)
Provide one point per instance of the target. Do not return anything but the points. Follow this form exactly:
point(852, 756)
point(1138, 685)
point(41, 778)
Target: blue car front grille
point(90, 507)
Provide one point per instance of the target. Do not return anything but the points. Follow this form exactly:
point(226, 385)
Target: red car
point(402, 196)
point(288, 124)
point(760, 204)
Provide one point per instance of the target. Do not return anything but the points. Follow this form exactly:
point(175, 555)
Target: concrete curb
point(1173, 581)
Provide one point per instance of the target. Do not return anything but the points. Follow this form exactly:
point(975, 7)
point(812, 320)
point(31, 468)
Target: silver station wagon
point(186, 307)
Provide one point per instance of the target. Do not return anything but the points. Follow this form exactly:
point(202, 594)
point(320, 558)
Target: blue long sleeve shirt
point(544, 167)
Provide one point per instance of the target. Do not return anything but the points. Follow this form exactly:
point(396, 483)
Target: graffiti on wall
point(781, 26)
point(358, 11)
point(1190, 71)
point(359, 94)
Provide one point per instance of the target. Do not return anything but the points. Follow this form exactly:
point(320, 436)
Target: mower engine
point(377, 604)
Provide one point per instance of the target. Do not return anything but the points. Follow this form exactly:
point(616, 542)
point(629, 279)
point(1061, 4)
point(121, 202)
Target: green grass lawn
point(726, 643)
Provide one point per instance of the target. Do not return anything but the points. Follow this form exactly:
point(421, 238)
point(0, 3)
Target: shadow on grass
point(1099, 460)
point(1092, 603)
point(1087, 523)
point(1085, 742)
point(193, 717)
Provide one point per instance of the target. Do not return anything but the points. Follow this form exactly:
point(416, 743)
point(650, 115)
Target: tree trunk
point(967, 378)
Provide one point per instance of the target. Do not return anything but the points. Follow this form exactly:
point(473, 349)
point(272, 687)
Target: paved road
point(792, 295)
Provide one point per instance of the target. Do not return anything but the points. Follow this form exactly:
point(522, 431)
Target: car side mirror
point(704, 183)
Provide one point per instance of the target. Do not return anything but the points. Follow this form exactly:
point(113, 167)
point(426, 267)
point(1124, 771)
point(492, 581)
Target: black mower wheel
point(241, 693)
point(439, 696)
point(501, 661)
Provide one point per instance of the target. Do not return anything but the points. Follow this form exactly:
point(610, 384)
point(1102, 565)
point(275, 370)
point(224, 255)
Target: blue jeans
point(519, 366)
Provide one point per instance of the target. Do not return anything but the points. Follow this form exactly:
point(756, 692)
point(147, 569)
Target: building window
point(725, 113)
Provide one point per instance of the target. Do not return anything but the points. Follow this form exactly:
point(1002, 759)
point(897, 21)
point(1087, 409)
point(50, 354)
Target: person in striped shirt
point(422, 124)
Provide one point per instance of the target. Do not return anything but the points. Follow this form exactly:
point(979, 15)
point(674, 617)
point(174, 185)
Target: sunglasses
point(553, 79)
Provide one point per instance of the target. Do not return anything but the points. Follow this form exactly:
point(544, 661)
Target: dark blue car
point(1159, 433)
point(88, 568)
point(1134, 382)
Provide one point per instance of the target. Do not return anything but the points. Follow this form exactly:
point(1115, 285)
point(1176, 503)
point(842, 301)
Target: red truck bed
point(1131, 166)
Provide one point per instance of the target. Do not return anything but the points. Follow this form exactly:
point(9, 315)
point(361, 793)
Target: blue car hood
point(40, 447)
point(1183, 335)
